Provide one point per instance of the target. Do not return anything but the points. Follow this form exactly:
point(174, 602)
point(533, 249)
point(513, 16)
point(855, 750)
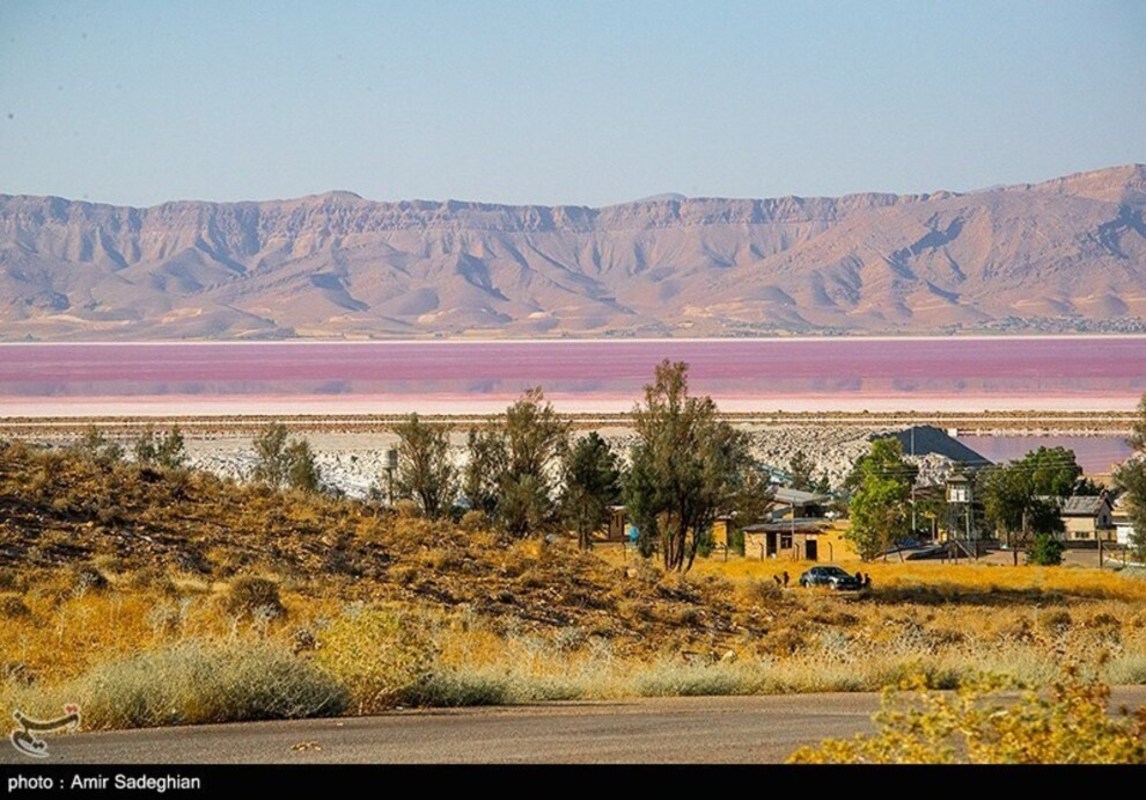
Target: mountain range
point(1064, 255)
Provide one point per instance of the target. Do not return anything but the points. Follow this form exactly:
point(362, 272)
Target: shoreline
point(480, 340)
point(462, 405)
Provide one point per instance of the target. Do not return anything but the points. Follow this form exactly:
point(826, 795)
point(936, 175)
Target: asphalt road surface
point(687, 730)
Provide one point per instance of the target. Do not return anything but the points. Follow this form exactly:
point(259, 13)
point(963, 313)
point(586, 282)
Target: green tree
point(1131, 479)
point(686, 467)
point(485, 464)
point(1020, 499)
point(1053, 471)
point(512, 469)
point(280, 462)
point(879, 507)
point(302, 468)
point(95, 446)
point(592, 484)
point(164, 450)
point(800, 472)
point(425, 470)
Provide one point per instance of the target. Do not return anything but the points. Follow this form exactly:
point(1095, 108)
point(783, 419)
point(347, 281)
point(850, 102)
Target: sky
point(561, 102)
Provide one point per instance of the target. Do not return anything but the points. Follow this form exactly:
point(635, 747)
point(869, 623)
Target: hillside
point(1066, 254)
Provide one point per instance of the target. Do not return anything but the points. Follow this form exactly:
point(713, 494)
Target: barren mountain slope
point(1067, 254)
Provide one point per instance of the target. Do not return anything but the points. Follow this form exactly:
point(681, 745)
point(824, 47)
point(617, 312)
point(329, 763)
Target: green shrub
point(1046, 550)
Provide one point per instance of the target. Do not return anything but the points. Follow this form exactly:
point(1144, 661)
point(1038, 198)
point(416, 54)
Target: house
point(796, 503)
point(1087, 517)
point(796, 539)
point(721, 528)
point(618, 528)
point(1123, 525)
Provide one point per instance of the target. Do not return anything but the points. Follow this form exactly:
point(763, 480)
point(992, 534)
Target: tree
point(425, 469)
point(800, 470)
point(302, 469)
point(485, 465)
point(801, 475)
point(1019, 498)
point(513, 466)
point(165, 450)
point(592, 484)
point(879, 507)
point(279, 462)
point(686, 467)
point(1053, 471)
point(95, 446)
point(1131, 479)
point(883, 458)
point(1137, 438)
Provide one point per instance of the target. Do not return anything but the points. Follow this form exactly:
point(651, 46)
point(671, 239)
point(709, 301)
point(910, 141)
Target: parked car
point(831, 577)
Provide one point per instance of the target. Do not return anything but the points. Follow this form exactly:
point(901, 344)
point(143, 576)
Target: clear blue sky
point(561, 101)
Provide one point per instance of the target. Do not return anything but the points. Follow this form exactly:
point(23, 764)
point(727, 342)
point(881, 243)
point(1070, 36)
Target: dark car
point(831, 577)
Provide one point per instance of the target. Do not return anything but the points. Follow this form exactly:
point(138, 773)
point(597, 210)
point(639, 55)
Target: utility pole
point(391, 465)
point(913, 482)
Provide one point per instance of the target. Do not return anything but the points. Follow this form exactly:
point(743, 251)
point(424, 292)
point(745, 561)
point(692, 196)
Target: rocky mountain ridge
point(1063, 255)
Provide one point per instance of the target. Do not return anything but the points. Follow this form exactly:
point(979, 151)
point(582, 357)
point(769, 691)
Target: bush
point(1046, 550)
point(380, 656)
point(1072, 726)
point(249, 596)
point(474, 520)
point(197, 682)
point(13, 607)
point(88, 578)
point(152, 578)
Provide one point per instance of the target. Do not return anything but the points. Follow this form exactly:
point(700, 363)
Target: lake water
point(1084, 373)
point(1095, 454)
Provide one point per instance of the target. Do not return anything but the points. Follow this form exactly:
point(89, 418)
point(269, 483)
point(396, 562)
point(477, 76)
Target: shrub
point(407, 508)
point(690, 680)
point(474, 521)
point(1055, 623)
point(1071, 726)
point(13, 607)
point(379, 656)
point(250, 596)
point(88, 578)
point(197, 682)
point(462, 688)
point(152, 578)
point(1046, 550)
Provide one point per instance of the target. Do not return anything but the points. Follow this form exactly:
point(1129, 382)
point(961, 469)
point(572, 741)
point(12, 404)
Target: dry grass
point(395, 609)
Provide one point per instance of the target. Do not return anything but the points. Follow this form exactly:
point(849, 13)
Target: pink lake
point(1083, 373)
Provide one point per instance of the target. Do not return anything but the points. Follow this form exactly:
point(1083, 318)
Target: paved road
point(663, 730)
point(760, 730)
